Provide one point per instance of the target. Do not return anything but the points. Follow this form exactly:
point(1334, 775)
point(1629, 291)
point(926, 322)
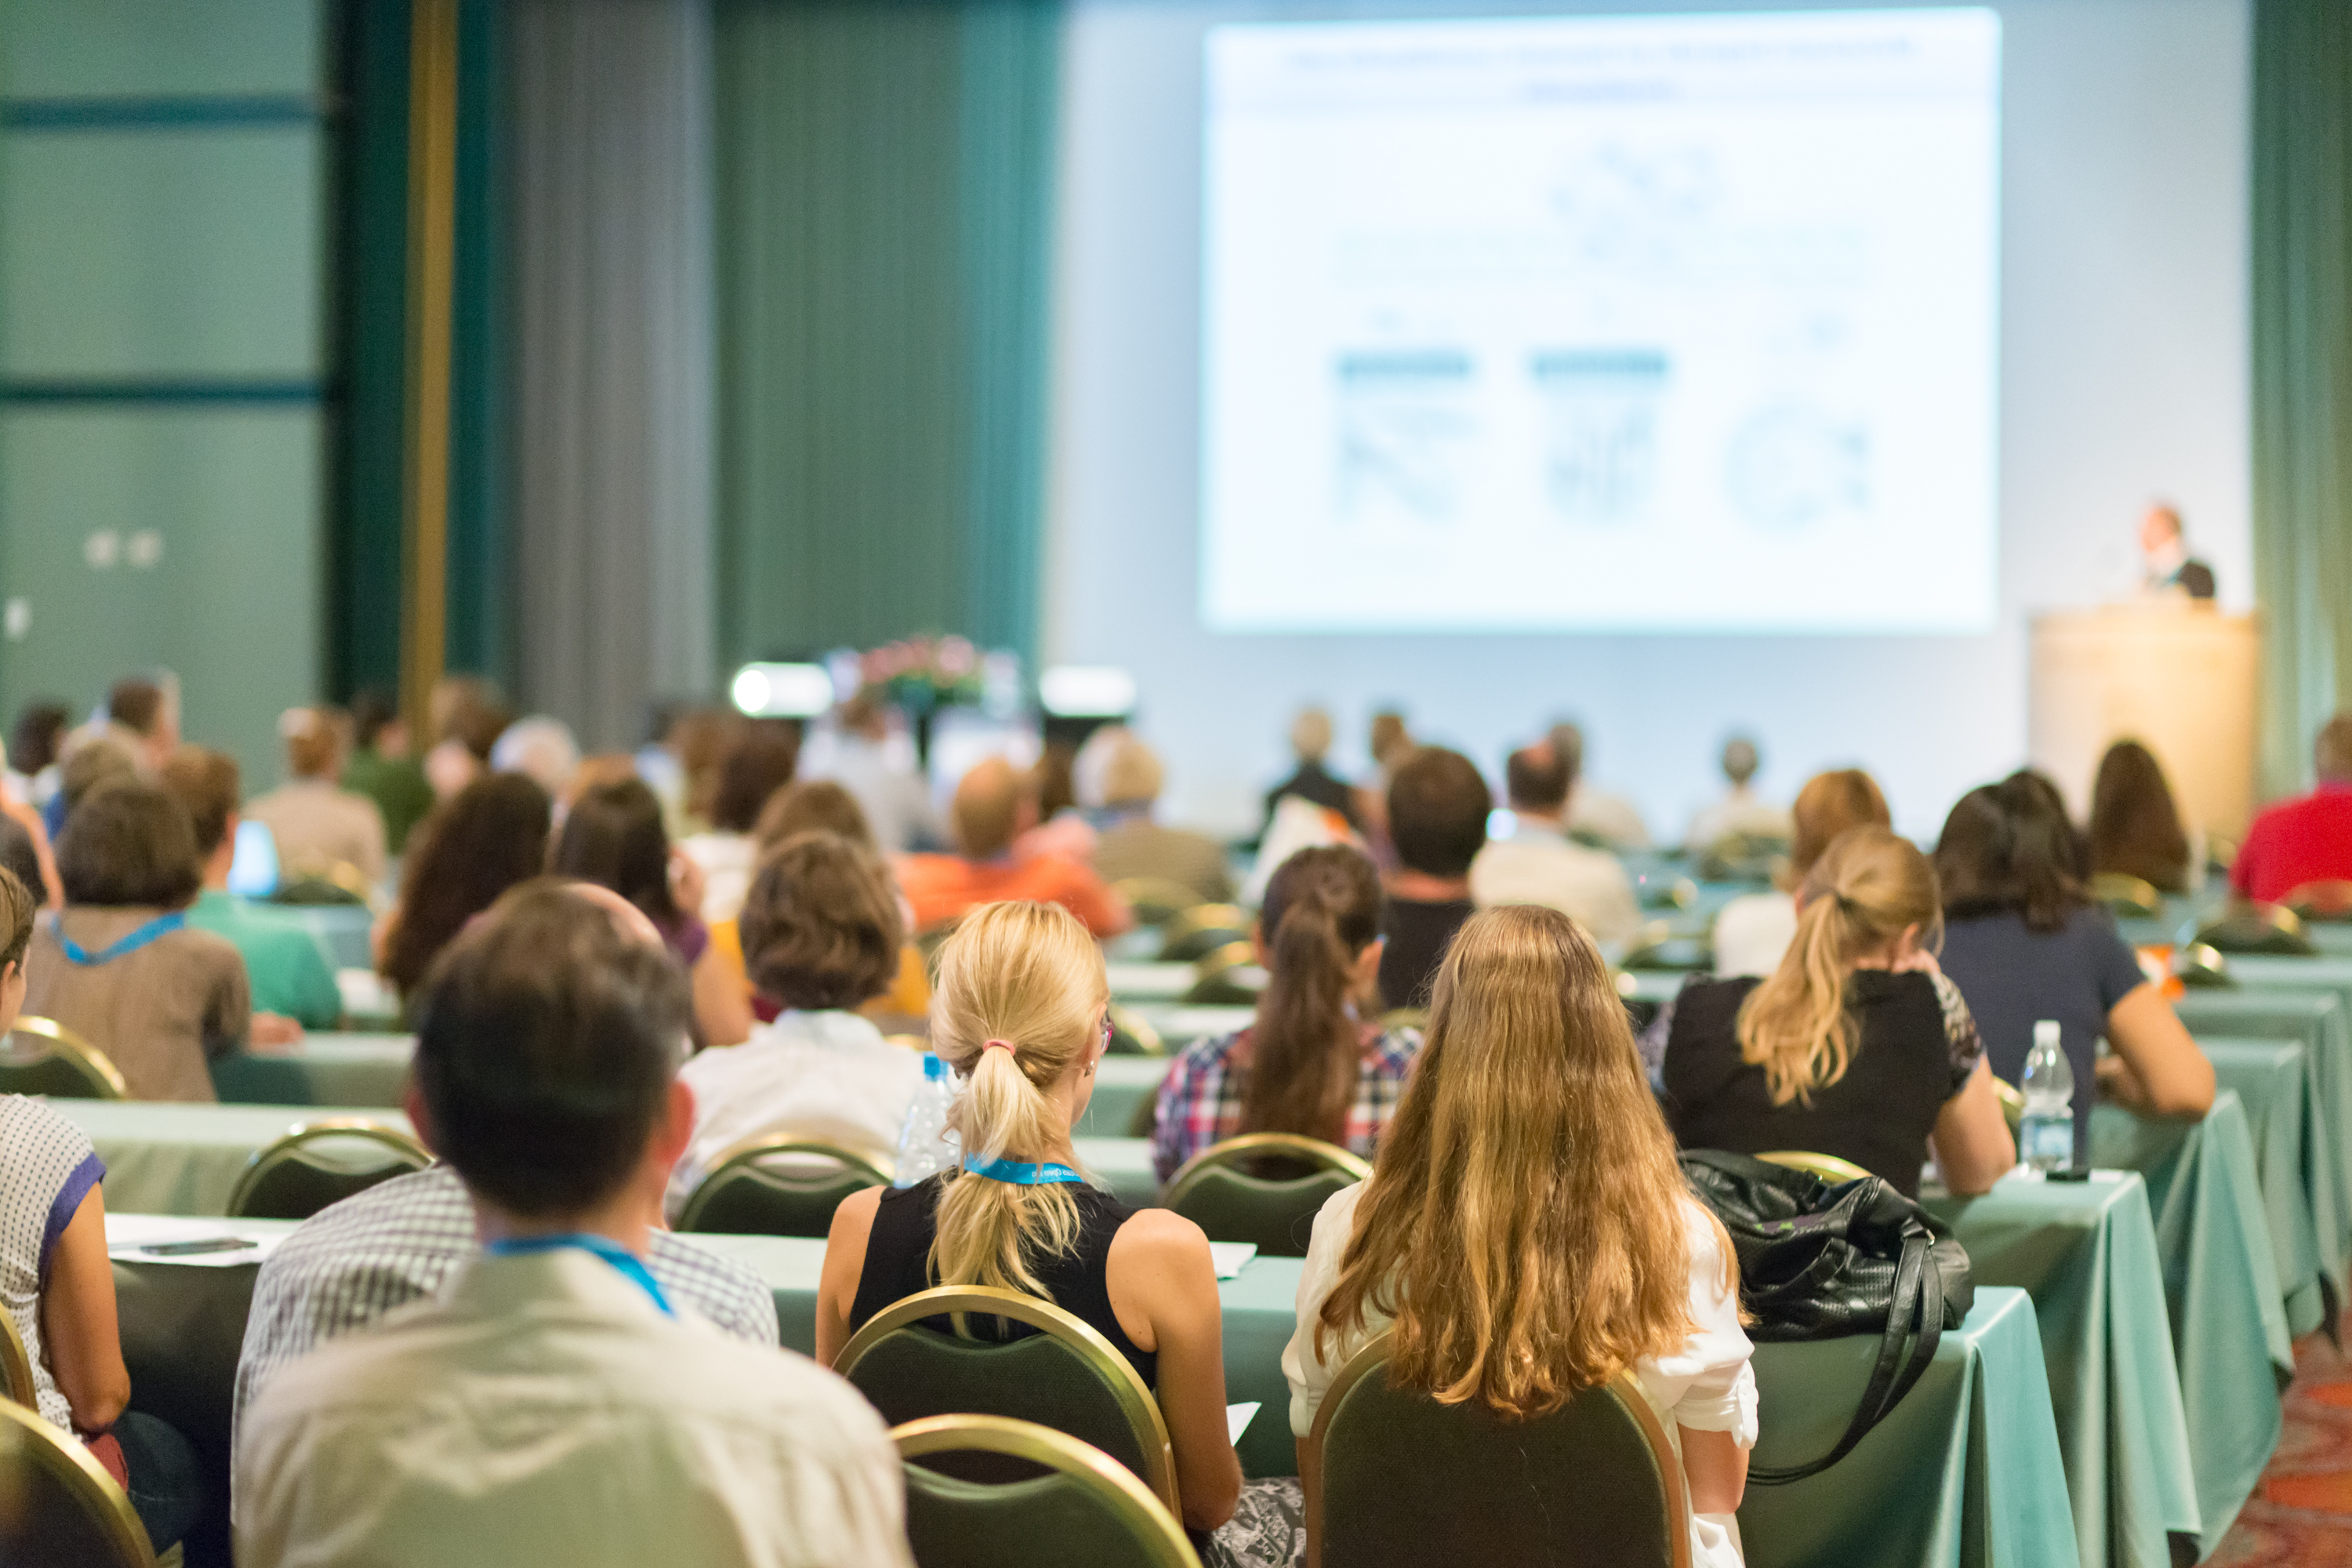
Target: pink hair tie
point(1006, 1045)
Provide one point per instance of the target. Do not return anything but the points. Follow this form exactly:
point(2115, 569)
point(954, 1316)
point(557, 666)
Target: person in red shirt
point(993, 805)
point(2308, 840)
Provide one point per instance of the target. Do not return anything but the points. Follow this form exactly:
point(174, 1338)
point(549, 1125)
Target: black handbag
point(1822, 1260)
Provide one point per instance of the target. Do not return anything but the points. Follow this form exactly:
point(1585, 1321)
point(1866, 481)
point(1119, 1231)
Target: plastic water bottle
point(2045, 1135)
point(926, 1146)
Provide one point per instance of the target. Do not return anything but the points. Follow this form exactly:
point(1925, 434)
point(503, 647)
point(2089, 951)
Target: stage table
point(1972, 1451)
point(323, 1069)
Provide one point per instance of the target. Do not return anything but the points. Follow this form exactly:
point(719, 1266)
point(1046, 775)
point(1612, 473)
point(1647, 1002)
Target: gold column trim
point(432, 268)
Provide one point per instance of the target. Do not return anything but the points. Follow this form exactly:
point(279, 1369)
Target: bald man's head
point(993, 805)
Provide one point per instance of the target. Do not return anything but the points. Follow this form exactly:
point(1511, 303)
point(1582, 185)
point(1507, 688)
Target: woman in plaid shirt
point(1310, 1064)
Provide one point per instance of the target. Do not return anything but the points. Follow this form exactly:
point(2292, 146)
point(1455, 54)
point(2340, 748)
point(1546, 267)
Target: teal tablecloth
point(324, 1069)
point(2086, 1252)
point(2321, 1019)
point(2275, 1080)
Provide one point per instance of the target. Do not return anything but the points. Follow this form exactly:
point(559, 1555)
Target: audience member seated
point(1310, 781)
point(120, 966)
point(541, 748)
point(2309, 838)
point(93, 760)
point(1754, 929)
point(1311, 1063)
point(1437, 808)
point(293, 988)
point(758, 764)
point(467, 718)
point(1539, 864)
point(1525, 1229)
point(2135, 829)
point(1022, 1015)
point(1127, 843)
point(58, 1287)
point(318, 824)
point(144, 715)
point(624, 1433)
point(1740, 811)
point(887, 787)
point(491, 836)
point(1608, 819)
point(1855, 1046)
point(35, 747)
point(20, 855)
point(994, 806)
point(614, 836)
point(380, 767)
point(2023, 941)
point(821, 933)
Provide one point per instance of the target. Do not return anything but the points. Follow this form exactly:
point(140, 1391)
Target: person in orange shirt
point(993, 805)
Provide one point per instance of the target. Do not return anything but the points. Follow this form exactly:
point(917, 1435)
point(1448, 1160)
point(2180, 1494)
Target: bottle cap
point(2047, 1033)
point(932, 1067)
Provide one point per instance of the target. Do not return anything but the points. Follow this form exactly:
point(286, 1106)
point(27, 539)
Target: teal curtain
point(2302, 277)
point(884, 216)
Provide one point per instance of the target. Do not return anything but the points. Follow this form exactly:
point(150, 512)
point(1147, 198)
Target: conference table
point(1971, 1456)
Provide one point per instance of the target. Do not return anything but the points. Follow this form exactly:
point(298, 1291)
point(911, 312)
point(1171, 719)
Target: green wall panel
point(78, 49)
point(231, 601)
point(143, 253)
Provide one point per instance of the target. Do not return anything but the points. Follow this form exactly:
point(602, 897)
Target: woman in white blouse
point(1529, 1052)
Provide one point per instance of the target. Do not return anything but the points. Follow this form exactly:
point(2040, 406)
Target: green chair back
point(1229, 977)
point(1659, 948)
point(2330, 902)
point(1156, 900)
point(1744, 858)
point(1131, 1036)
point(58, 1508)
point(2253, 928)
point(1200, 931)
point(1405, 1481)
point(41, 1055)
point(2201, 968)
point(926, 1356)
point(2127, 898)
point(314, 1166)
point(778, 1186)
point(1263, 1187)
point(1084, 1511)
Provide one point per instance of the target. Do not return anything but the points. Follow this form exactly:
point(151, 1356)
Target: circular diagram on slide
point(1788, 465)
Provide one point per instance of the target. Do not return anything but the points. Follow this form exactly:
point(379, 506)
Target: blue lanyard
point(611, 1251)
point(161, 926)
point(1021, 1174)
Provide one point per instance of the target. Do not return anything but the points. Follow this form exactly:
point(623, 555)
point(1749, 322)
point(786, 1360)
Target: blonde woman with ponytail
point(1312, 1062)
point(1020, 1016)
point(1856, 1045)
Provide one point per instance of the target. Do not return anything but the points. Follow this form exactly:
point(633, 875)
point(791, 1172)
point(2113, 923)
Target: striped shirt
point(403, 1239)
point(1201, 1099)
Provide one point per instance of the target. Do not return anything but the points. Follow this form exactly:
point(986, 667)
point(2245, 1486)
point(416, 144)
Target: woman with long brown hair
point(1753, 930)
point(1856, 1045)
point(1526, 1233)
point(2136, 828)
point(1021, 1016)
point(1310, 1063)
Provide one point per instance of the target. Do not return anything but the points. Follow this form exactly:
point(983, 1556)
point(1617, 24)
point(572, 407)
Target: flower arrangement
point(918, 676)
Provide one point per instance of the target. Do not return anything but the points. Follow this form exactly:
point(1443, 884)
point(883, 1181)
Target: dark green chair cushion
point(2248, 933)
point(1049, 1521)
point(925, 1370)
point(53, 1075)
point(751, 1200)
point(298, 1188)
point(1409, 1483)
point(1271, 1205)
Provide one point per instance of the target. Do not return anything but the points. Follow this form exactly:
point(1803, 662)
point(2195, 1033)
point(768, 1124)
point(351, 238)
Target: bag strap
point(1917, 1299)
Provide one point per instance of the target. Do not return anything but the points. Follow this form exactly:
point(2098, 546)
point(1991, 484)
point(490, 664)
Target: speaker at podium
point(2172, 673)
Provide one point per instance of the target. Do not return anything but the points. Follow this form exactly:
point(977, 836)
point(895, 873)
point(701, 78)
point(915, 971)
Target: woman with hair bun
point(1310, 1063)
point(1021, 1016)
point(1856, 1045)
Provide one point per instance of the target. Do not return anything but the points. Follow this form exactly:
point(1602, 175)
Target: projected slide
point(1667, 324)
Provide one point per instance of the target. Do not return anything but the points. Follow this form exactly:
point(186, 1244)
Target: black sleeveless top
point(899, 1265)
point(1909, 1060)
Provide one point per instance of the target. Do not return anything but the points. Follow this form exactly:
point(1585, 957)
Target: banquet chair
point(1131, 1036)
point(1085, 1508)
point(2201, 968)
point(1229, 977)
point(16, 1386)
point(1744, 858)
point(1263, 1187)
point(50, 1058)
point(2253, 928)
point(1200, 931)
point(1156, 900)
point(2330, 902)
point(1828, 1167)
point(2126, 896)
point(327, 882)
point(58, 1508)
point(778, 1184)
point(1393, 1477)
point(1063, 1375)
point(298, 1176)
point(1661, 948)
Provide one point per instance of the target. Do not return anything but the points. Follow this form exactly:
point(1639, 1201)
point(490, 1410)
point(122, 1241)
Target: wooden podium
point(2177, 677)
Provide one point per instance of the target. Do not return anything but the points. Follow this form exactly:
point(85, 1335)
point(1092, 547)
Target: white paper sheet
point(1237, 1419)
point(1231, 1257)
point(134, 1238)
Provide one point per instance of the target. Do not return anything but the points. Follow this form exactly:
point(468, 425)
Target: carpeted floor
point(2301, 1515)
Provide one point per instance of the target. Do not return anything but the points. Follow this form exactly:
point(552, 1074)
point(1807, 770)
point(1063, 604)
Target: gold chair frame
point(1202, 918)
point(1406, 1018)
point(1113, 1484)
point(1144, 893)
point(2277, 917)
point(750, 1151)
point(1322, 1155)
point(2126, 895)
point(1828, 1167)
point(1124, 1021)
point(956, 1302)
point(267, 1159)
point(92, 1062)
point(2201, 964)
point(102, 1499)
point(16, 1386)
point(1376, 1353)
point(1216, 969)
